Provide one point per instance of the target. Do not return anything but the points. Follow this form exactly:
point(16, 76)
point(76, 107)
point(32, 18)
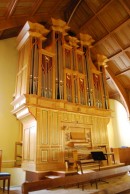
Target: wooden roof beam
point(11, 8)
point(12, 23)
point(124, 71)
point(70, 10)
point(20, 21)
point(36, 6)
point(95, 15)
point(125, 7)
point(112, 32)
point(119, 54)
point(121, 91)
point(70, 14)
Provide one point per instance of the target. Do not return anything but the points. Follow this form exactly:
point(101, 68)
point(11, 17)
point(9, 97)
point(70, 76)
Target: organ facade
point(60, 96)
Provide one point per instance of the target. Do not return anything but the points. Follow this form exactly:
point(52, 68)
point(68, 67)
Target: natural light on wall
point(119, 126)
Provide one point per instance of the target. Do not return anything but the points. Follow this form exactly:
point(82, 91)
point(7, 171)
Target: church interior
point(65, 92)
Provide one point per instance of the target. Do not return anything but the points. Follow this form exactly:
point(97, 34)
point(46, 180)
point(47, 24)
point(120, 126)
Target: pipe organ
point(60, 90)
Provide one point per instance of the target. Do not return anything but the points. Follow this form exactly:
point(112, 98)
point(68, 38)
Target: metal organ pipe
point(34, 67)
point(86, 57)
point(104, 88)
point(65, 59)
point(59, 66)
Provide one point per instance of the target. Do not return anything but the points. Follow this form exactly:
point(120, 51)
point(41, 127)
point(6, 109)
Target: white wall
point(9, 129)
point(119, 126)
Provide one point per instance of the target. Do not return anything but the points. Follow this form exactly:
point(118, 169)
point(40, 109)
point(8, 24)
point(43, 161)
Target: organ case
point(58, 88)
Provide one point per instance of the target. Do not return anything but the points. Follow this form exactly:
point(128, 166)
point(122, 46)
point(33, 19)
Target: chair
point(107, 154)
point(80, 170)
point(5, 176)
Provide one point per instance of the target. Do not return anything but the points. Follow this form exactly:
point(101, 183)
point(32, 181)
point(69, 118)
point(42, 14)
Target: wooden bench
point(88, 164)
point(71, 180)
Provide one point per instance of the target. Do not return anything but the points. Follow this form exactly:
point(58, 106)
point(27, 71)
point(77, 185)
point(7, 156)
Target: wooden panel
point(26, 144)
point(81, 14)
point(22, 81)
point(102, 49)
point(114, 66)
point(99, 131)
point(44, 155)
point(32, 142)
point(99, 32)
point(122, 155)
point(54, 129)
point(120, 63)
point(50, 155)
point(96, 5)
point(111, 46)
point(23, 8)
point(29, 141)
point(122, 36)
point(103, 131)
point(55, 155)
point(125, 79)
point(113, 15)
point(43, 128)
point(125, 60)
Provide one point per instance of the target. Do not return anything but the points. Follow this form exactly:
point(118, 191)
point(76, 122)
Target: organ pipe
point(63, 68)
point(34, 67)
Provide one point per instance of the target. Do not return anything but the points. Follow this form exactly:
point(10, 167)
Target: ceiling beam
point(20, 21)
point(74, 10)
point(70, 10)
point(124, 71)
point(36, 6)
point(54, 8)
point(121, 91)
point(125, 7)
point(119, 54)
point(113, 31)
point(95, 15)
point(11, 8)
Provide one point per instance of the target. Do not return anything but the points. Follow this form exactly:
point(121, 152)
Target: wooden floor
point(12, 192)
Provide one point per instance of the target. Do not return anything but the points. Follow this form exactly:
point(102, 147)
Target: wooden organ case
point(60, 96)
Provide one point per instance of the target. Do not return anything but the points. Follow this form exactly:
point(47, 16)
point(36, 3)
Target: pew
point(72, 180)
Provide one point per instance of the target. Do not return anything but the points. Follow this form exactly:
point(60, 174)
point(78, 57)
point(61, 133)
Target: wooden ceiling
point(107, 21)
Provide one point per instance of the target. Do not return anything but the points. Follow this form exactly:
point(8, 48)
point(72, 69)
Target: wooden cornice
point(121, 91)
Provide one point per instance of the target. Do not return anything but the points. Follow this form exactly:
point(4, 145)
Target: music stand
point(98, 156)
